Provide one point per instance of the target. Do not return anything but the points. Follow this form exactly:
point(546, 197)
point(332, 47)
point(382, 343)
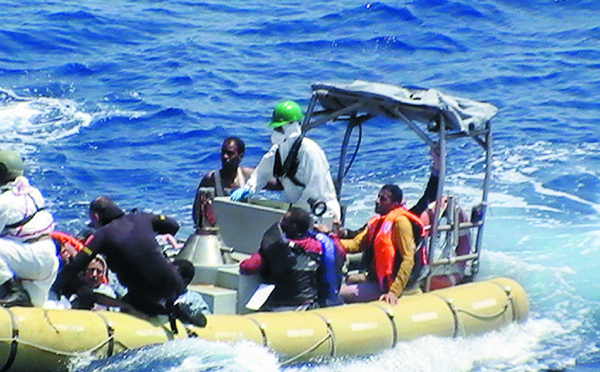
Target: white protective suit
point(27, 251)
point(313, 171)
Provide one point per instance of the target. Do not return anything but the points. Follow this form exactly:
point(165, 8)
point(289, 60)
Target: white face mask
point(277, 137)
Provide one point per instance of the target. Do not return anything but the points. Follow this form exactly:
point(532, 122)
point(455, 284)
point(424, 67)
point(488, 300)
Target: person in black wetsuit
point(128, 243)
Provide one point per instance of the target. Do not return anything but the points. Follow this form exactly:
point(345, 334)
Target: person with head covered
point(297, 162)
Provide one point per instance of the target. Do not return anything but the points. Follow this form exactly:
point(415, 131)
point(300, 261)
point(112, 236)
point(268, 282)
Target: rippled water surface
point(132, 99)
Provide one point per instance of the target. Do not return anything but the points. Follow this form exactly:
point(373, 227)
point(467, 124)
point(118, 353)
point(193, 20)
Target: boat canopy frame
point(435, 118)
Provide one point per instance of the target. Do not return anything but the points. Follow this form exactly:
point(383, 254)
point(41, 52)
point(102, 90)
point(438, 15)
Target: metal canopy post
point(309, 112)
point(486, 185)
point(440, 192)
point(344, 151)
point(416, 129)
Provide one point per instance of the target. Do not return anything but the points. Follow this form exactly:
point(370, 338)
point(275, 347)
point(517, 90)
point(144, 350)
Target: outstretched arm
point(86, 298)
point(259, 178)
point(430, 193)
point(113, 302)
point(357, 243)
point(263, 172)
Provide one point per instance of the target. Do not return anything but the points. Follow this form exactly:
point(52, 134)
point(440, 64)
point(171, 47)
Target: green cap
point(286, 112)
point(11, 165)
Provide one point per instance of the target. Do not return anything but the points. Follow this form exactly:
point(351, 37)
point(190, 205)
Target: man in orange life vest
point(390, 237)
point(388, 241)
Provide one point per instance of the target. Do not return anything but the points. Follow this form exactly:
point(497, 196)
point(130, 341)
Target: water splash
point(517, 347)
point(38, 120)
point(189, 355)
point(513, 348)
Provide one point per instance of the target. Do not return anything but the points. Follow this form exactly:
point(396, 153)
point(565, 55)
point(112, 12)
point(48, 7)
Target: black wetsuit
point(128, 243)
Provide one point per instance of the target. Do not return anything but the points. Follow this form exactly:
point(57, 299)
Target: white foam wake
point(39, 119)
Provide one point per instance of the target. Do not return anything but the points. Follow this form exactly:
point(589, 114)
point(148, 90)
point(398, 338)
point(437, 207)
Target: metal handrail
point(461, 226)
point(452, 260)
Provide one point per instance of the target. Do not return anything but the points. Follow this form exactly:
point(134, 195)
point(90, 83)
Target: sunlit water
point(132, 100)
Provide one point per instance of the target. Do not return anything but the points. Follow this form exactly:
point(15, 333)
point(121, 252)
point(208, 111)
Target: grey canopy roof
point(421, 105)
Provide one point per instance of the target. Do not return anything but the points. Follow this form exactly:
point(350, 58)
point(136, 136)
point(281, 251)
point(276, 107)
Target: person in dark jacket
point(127, 241)
point(290, 257)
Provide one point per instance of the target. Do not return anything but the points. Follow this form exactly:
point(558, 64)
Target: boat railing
point(459, 258)
point(461, 226)
point(453, 260)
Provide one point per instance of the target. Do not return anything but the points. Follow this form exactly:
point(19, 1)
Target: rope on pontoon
point(455, 310)
point(328, 336)
point(486, 317)
point(16, 341)
point(55, 351)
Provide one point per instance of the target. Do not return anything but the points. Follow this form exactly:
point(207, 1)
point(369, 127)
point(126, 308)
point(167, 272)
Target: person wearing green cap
point(297, 162)
point(28, 260)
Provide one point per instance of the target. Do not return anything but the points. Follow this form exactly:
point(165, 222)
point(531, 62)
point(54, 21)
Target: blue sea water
point(133, 98)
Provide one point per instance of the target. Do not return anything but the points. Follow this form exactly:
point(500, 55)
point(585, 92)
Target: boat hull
point(34, 339)
point(362, 329)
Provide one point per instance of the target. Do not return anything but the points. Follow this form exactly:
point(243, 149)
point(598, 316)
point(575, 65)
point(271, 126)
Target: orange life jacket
point(63, 238)
point(380, 238)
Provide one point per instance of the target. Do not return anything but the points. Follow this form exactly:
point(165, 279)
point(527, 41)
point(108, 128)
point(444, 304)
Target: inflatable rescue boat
point(453, 303)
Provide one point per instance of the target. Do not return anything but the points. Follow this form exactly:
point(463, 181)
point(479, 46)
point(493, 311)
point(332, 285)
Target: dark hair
point(295, 222)
point(395, 191)
point(106, 209)
point(241, 146)
point(185, 269)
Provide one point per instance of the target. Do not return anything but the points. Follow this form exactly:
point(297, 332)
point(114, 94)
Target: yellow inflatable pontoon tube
point(34, 339)
point(362, 329)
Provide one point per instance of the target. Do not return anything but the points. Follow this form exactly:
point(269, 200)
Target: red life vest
point(63, 239)
point(380, 238)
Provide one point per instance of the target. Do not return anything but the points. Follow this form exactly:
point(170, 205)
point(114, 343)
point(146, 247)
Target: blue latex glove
point(240, 194)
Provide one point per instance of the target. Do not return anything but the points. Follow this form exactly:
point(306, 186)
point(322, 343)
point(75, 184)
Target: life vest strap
point(25, 220)
point(290, 165)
